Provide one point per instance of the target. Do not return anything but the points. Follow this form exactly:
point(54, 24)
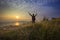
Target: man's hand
point(30, 14)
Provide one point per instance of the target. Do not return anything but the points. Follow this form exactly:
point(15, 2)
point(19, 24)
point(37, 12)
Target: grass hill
point(46, 30)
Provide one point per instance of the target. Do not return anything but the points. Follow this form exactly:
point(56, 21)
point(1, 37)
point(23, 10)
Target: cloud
point(49, 8)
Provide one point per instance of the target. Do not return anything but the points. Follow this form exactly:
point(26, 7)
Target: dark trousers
point(33, 21)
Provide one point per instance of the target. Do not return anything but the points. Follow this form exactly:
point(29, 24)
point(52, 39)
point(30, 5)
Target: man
point(33, 17)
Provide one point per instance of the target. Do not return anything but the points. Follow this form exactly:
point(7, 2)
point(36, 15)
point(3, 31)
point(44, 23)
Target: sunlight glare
point(17, 17)
point(17, 24)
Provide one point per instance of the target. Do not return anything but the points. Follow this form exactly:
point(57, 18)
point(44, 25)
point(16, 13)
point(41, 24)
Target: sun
point(17, 17)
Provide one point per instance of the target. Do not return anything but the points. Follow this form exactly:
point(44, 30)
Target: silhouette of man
point(33, 17)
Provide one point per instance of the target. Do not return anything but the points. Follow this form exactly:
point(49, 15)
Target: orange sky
point(11, 15)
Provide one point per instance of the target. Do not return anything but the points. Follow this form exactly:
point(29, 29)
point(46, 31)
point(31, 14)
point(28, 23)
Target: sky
point(9, 9)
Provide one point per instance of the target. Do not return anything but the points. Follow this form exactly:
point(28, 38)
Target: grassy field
point(46, 30)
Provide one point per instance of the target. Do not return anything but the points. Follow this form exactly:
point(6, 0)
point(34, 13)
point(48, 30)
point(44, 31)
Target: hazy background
point(9, 9)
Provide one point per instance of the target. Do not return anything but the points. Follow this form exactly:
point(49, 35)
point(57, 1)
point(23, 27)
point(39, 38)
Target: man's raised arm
point(30, 14)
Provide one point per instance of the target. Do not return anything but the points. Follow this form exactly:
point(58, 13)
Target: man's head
point(33, 14)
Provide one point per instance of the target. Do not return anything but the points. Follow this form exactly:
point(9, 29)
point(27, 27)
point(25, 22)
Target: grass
point(46, 30)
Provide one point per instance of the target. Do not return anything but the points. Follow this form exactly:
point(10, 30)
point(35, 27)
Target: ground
point(38, 31)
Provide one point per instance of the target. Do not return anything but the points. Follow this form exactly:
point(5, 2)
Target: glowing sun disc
point(17, 17)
